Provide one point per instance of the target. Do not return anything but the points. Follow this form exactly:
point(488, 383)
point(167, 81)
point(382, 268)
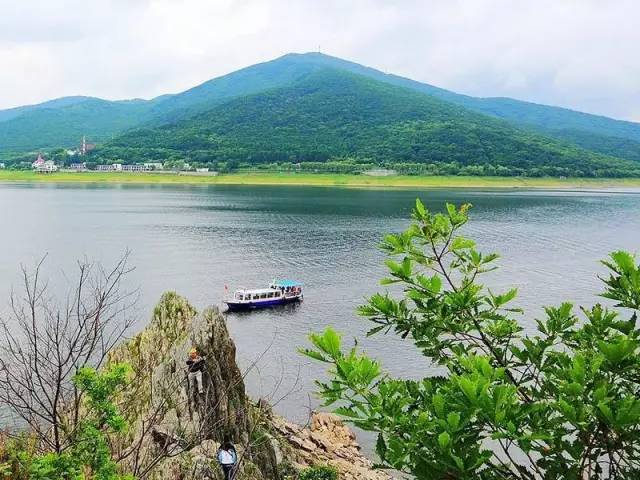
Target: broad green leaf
point(444, 439)
point(453, 419)
point(461, 243)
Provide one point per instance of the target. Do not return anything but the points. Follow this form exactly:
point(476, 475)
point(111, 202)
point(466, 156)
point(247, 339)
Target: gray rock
point(189, 427)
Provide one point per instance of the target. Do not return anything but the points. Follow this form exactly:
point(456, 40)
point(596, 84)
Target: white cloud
point(575, 53)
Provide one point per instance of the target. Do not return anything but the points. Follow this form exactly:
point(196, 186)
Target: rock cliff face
point(175, 431)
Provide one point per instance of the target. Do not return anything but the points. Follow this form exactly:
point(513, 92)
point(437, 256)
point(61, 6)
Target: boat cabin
point(260, 294)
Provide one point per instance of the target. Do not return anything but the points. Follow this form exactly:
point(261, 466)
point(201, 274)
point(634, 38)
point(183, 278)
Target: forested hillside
point(561, 123)
point(615, 146)
point(332, 114)
point(62, 124)
point(582, 137)
point(257, 78)
point(55, 103)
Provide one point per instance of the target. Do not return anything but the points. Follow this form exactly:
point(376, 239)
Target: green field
point(316, 179)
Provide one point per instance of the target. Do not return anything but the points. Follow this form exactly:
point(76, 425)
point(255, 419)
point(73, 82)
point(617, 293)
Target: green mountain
point(557, 122)
point(63, 121)
point(55, 103)
point(335, 114)
point(256, 78)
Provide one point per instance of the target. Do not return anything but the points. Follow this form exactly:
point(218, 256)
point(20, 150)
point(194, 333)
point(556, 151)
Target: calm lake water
point(196, 239)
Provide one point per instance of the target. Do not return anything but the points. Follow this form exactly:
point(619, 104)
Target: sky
point(580, 54)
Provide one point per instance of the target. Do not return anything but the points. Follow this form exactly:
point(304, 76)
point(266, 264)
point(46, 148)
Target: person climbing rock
point(227, 458)
point(195, 365)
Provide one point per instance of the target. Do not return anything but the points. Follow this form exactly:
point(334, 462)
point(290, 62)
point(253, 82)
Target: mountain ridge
point(332, 113)
point(501, 107)
point(61, 122)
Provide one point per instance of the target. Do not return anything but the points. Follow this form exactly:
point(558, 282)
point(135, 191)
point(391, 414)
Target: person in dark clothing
point(195, 366)
point(227, 458)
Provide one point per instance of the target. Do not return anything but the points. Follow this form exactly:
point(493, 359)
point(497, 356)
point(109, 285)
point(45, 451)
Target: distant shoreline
point(319, 179)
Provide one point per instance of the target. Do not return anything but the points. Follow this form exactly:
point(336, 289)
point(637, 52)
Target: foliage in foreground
point(89, 455)
point(561, 403)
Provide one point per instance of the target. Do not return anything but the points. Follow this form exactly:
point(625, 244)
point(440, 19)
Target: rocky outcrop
point(327, 441)
point(175, 431)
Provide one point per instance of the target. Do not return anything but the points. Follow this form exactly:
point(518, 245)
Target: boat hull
point(267, 303)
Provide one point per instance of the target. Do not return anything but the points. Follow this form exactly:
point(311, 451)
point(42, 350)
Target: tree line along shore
point(320, 179)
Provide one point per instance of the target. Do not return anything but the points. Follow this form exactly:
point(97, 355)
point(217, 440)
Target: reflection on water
point(196, 239)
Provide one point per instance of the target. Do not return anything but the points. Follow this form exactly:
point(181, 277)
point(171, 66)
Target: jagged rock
point(165, 440)
point(208, 449)
point(178, 431)
point(277, 449)
point(328, 441)
point(304, 444)
point(323, 442)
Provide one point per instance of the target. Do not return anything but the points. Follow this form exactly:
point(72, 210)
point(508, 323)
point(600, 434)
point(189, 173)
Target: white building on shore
point(113, 167)
point(154, 165)
point(40, 165)
point(136, 168)
point(119, 167)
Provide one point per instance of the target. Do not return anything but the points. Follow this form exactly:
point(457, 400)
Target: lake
point(196, 239)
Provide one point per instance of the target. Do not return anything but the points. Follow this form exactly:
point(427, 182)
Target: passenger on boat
point(195, 366)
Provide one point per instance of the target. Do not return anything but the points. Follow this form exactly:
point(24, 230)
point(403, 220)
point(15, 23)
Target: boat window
point(263, 295)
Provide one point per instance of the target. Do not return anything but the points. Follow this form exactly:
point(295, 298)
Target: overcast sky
point(582, 54)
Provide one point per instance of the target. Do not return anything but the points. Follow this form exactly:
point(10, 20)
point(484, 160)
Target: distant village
point(44, 166)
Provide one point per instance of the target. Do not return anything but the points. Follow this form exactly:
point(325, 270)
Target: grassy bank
point(317, 179)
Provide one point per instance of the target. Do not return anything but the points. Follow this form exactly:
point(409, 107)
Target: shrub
point(562, 403)
point(89, 455)
point(319, 472)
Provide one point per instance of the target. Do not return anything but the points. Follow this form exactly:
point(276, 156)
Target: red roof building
point(38, 162)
